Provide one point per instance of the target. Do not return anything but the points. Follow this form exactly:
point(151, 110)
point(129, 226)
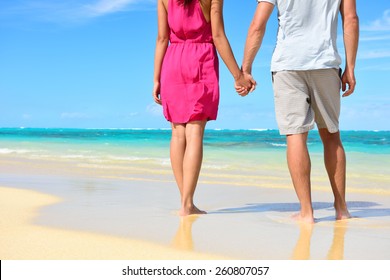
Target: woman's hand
point(156, 93)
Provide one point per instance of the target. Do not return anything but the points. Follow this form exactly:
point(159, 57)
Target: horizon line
point(164, 128)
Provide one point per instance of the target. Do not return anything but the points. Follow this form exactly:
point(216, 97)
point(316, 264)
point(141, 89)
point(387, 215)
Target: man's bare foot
point(304, 219)
point(342, 212)
point(191, 211)
point(343, 215)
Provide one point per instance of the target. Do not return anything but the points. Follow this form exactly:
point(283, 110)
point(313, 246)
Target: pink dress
point(189, 75)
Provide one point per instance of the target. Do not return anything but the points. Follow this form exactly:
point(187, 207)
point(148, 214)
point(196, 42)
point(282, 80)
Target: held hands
point(245, 84)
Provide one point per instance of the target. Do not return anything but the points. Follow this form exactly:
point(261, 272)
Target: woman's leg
point(178, 146)
point(192, 163)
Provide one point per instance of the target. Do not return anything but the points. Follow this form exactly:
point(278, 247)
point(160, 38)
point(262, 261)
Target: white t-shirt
point(307, 35)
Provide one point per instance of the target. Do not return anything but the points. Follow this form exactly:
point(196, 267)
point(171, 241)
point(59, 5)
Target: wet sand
point(57, 210)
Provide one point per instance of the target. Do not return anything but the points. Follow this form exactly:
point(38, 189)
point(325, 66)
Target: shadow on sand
point(358, 209)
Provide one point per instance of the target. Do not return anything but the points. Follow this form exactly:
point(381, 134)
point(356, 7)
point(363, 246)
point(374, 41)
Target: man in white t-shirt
point(307, 80)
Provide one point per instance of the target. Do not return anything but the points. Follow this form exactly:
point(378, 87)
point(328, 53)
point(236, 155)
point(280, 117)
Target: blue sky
point(89, 64)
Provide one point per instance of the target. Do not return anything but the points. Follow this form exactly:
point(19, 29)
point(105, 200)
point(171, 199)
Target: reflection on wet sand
point(336, 250)
point(183, 238)
point(302, 248)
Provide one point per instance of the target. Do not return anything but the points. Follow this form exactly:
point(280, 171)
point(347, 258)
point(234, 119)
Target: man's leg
point(299, 165)
point(335, 163)
point(295, 118)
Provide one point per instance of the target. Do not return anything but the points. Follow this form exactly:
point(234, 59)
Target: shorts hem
point(288, 131)
point(331, 130)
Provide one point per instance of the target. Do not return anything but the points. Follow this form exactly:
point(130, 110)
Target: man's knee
point(330, 139)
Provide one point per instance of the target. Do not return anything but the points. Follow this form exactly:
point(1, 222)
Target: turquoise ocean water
point(234, 156)
point(27, 139)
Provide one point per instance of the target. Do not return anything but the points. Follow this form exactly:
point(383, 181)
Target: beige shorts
point(303, 98)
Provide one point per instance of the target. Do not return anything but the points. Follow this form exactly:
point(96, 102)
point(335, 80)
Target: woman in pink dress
point(186, 82)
